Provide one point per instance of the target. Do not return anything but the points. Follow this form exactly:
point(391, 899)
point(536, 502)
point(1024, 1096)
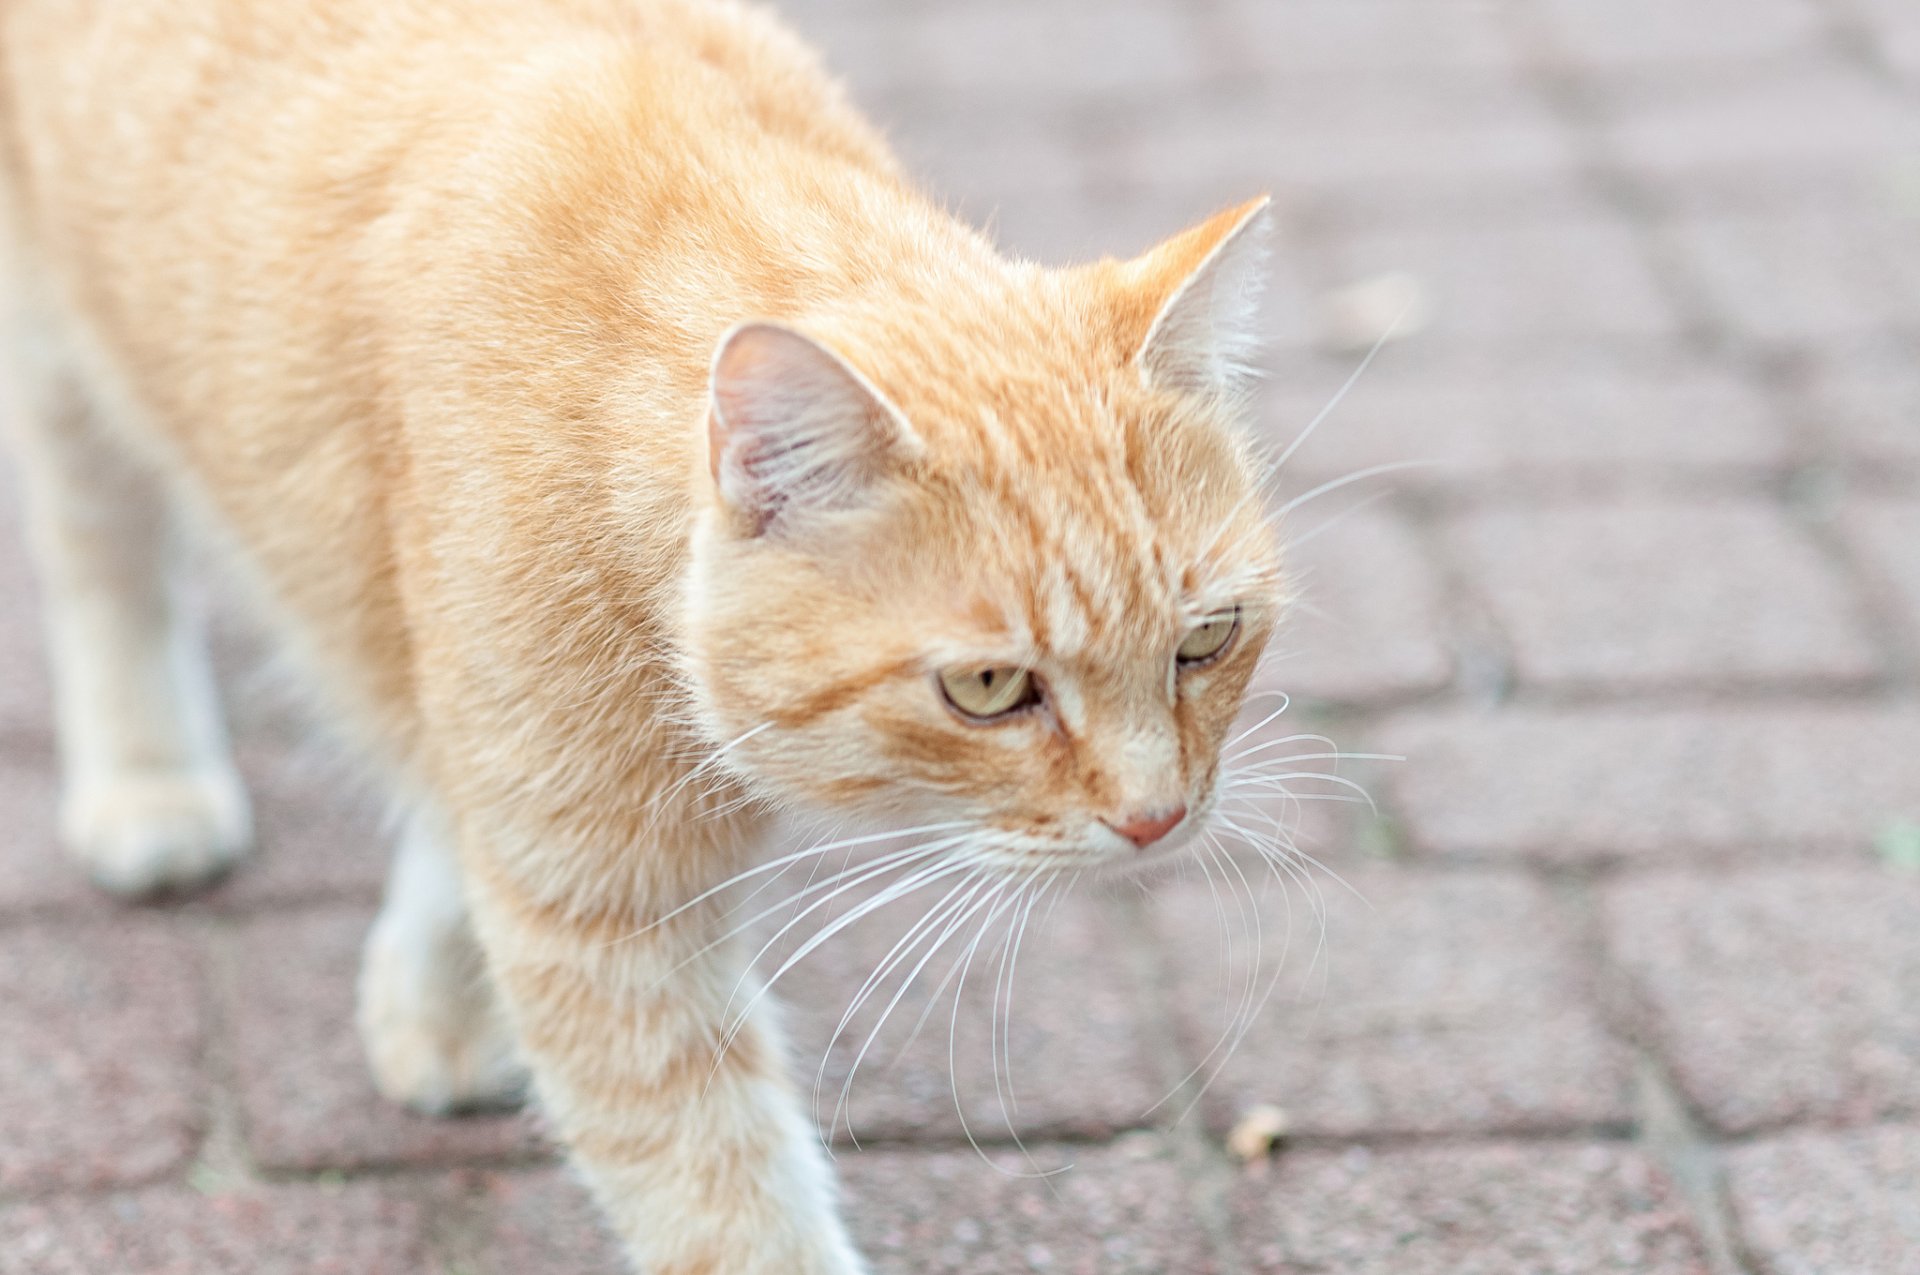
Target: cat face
point(1018, 592)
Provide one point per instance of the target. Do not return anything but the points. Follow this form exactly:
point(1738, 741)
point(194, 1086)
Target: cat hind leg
point(150, 799)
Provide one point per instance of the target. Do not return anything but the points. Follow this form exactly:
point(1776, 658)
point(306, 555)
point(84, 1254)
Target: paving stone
point(1430, 1003)
point(265, 1230)
point(1651, 784)
point(1119, 1210)
point(1570, 1209)
point(1514, 287)
point(1652, 595)
point(1779, 995)
point(1829, 1204)
point(306, 1097)
point(26, 703)
point(542, 1222)
point(1799, 274)
point(1886, 534)
point(1893, 29)
point(1333, 37)
point(1360, 146)
point(1610, 35)
point(1864, 406)
point(1817, 119)
point(1369, 624)
point(1081, 1062)
point(1565, 422)
point(998, 52)
point(100, 1037)
point(318, 832)
point(34, 871)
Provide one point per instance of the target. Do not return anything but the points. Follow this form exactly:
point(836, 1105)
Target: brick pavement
point(1636, 981)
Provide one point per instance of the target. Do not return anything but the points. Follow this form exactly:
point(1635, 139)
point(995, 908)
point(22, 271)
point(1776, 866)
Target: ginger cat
point(627, 449)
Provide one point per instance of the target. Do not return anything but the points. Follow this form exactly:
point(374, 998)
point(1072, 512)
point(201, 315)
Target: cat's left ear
point(793, 429)
point(1202, 289)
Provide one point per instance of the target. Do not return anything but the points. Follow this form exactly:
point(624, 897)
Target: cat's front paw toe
point(437, 1075)
point(438, 1059)
point(141, 835)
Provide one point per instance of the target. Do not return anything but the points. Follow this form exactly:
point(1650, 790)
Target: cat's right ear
point(793, 429)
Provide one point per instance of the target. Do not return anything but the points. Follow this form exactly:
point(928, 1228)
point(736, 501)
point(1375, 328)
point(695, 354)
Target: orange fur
point(418, 302)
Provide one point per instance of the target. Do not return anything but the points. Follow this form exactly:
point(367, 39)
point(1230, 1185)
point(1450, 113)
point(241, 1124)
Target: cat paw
point(428, 1055)
point(142, 835)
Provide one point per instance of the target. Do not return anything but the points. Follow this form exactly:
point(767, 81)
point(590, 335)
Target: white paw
point(434, 1041)
point(147, 834)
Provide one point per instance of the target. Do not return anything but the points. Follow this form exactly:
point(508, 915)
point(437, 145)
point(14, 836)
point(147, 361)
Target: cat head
point(996, 562)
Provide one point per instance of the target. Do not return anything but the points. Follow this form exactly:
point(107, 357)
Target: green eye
point(1204, 641)
point(989, 692)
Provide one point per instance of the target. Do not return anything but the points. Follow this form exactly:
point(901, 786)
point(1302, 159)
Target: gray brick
point(1305, 38)
point(1613, 35)
point(263, 1230)
point(1864, 406)
point(1779, 995)
point(1653, 595)
point(1358, 147)
point(1651, 784)
point(1368, 625)
point(26, 706)
point(1804, 273)
point(1119, 1210)
point(100, 1037)
point(34, 872)
point(1537, 283)
point(1886, 534)
point(1837, 1204)
point(1562, 422)
point(1571, 1209)
point(541, 1222)
point(1423, 1004)
point(1816, 123)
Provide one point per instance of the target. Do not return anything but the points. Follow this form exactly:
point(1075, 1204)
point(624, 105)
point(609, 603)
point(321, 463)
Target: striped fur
point(416, 305)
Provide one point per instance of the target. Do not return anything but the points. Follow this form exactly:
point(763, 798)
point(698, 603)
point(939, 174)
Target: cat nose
point(1145, 829)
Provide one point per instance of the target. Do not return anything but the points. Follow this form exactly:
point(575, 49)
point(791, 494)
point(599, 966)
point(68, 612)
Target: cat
point(627, 450)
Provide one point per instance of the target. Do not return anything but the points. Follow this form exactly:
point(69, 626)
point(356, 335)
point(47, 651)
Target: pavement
point(1623, 976)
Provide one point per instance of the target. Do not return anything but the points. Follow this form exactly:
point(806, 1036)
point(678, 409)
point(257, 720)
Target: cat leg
point(150, 799)
point(432, 1029)
point(703, 1161)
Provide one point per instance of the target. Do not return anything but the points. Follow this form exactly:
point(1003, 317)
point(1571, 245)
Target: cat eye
point(989, 692)
point(1206, 640)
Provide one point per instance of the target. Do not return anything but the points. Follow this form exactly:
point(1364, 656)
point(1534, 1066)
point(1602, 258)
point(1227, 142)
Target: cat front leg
point(701, 1159)
point(435, 1037)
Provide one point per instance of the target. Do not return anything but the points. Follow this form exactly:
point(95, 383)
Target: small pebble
point(1256, 1131)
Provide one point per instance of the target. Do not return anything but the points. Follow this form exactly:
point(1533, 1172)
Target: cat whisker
point(955, 922)
point(1229, 759)
point(1286, 701)
point(953, 1033)
point(834, 886)
point(1295, 542)
point(786, 861)
point(890, 894)
point(1359, 475)
point(947, 910)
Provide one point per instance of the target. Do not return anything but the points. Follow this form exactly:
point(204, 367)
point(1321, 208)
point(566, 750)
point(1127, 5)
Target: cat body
point(625, 449)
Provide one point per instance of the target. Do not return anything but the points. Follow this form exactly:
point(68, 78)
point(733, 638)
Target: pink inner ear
point(793, 427)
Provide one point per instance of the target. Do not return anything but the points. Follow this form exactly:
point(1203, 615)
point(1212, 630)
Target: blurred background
point(1627, 978)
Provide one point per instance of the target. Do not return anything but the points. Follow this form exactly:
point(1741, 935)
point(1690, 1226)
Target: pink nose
point(1145, 829)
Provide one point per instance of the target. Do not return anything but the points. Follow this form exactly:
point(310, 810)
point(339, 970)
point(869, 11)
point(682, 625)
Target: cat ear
point(1207, 282)
point(793, 428)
